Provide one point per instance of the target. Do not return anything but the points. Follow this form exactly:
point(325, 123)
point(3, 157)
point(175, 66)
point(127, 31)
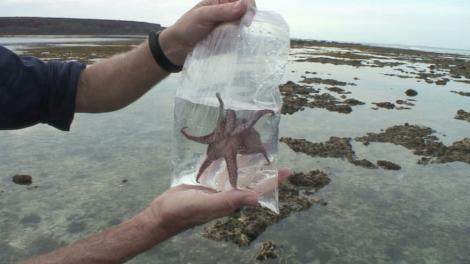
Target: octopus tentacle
point(207, 139)
point(232, 168)
point(207, 162)
point(265, 154)
point(221, 120)
point(255, 150)
point(258, 115)
point(247, 125)
point(253, 146)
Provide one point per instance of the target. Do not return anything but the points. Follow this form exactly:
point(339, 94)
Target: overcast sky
point(435, 23)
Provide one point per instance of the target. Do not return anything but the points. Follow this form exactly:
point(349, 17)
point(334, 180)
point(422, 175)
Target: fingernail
point(238, 6)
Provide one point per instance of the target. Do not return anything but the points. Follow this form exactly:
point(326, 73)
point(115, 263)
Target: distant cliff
point(72, 26)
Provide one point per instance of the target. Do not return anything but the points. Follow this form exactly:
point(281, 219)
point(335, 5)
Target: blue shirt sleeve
point(33, 91)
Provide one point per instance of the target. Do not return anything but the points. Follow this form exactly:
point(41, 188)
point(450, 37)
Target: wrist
point(172, 48)
point(154, 225)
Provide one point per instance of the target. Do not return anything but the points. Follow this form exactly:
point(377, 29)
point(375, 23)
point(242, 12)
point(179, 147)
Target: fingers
point(221, 204)
point(284, 173)
point(225, 203)
point(270, 184)
point(213, 2)
point(228, 11)
point(184, 187)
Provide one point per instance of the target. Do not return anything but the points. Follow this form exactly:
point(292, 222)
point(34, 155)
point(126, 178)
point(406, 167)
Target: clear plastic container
point(242, 62)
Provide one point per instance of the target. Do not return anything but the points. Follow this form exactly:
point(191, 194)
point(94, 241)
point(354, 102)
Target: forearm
point(118, 81)
point(115, 245)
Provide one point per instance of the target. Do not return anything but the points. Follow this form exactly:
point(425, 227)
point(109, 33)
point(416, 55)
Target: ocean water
point(19, 42)
point(420, 214)
point(427, 48)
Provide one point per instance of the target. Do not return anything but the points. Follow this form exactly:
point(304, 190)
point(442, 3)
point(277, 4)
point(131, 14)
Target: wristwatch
point(160, 56)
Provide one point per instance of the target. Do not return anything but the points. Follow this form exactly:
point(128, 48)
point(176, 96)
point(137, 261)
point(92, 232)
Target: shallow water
point(28, 41)
point(420, 214)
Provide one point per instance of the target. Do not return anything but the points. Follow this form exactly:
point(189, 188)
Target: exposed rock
point(403, 108)
point(413, 137)
point(337, 90)
point(458, 151)
point(354, 59)
point(462, 115)
point(269, 250)
point(313, 179)
point(401, 76)
point(246, 225)
point(423, 142)
point(411, 92)
point(294, 97)
point(83, 54)
point(293, 104)
point(344, 109)
point(449, 65)
point(402, 102)
point(335, 147)
point(329, 102)
point(22, 179)
point(461, 93)
point(325, 81)
point(292, 87)
point(364, 163)
point(442, 81)
point(388, 165)
point(386, 105)
point(428, 77)
point(325, 60)
point(353, 102)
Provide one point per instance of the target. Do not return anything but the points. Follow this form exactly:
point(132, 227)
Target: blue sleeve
point(33, 91)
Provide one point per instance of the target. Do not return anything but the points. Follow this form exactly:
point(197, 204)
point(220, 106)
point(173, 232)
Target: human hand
point(186, 206)
point(180, 39)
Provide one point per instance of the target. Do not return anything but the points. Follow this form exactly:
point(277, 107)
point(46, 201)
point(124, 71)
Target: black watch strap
point(159, 56)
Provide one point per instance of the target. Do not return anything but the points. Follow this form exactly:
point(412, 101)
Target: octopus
point(230, 137)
